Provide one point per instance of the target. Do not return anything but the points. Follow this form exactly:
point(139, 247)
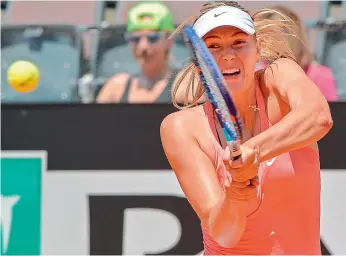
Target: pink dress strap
point(209, 110)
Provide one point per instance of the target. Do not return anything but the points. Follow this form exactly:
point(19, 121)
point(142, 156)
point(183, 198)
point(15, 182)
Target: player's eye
point(213, 46)
point(240, 43)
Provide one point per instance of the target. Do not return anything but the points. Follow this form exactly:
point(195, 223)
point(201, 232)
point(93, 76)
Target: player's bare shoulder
point(283, 69)
point(190, 123)
point(183, 121)
point(187, 128)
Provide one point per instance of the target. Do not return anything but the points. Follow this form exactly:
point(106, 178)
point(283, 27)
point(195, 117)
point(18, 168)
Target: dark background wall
point(91, 137)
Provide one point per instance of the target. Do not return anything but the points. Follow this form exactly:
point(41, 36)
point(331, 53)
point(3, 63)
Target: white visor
point(224, 16)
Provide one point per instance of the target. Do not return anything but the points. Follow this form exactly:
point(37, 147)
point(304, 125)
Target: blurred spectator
point(149, 25)
point(321, 75)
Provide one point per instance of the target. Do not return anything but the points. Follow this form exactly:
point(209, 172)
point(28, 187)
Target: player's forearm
point(227, 222)
point(299, 128)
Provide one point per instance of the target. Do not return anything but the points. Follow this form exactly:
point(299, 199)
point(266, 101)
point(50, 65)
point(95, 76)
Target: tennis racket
point(215, 87)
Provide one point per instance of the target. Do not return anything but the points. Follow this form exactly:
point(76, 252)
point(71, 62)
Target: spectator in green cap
point(149, 24)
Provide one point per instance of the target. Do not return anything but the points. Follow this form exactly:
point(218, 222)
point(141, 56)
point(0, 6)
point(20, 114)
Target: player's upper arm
point(293, 85)
point(113, 89)
point(193, 168)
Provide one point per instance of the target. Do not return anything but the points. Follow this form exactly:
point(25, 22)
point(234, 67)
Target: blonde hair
point(299, 46)
point(271, 33)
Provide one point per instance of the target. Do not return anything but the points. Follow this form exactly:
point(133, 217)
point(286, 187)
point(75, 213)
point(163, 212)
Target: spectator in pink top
point(321, 75)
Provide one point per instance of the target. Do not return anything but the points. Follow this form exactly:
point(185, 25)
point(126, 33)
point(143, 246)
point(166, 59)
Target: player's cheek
point(217, 56)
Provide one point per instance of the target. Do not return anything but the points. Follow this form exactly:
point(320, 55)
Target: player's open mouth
point(231, 72)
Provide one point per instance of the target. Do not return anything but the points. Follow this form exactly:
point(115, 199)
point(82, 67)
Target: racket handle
point(234, 148)
point(255, 181)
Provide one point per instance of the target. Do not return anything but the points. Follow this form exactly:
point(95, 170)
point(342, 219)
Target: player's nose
point(228, 54)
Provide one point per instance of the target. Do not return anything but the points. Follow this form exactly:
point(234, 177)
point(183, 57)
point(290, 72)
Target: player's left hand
point(243, 168)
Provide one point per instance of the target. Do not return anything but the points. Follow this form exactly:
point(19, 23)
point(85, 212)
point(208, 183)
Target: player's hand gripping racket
point(215, 87)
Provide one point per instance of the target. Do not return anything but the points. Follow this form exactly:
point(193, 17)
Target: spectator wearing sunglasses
point(149, 25)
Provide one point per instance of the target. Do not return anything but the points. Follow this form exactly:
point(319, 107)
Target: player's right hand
point(245, 167)
point(241, 191)
point(242, 185)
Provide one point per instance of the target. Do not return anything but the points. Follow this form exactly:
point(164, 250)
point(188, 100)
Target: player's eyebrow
point(238, 32)
point(217, 36)
point(212, 37)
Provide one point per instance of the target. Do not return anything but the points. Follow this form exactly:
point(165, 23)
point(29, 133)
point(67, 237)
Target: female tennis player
point(284, 115)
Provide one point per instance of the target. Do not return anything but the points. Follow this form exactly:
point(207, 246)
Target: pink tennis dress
point(287, 219)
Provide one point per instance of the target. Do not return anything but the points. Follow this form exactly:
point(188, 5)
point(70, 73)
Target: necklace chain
point(254, 107)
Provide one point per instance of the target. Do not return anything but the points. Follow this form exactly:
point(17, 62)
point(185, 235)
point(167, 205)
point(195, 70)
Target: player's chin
point(234, 82)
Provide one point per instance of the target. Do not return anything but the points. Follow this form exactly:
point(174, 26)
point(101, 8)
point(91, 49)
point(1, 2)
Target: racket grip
point(234, 148)
point(255, 181)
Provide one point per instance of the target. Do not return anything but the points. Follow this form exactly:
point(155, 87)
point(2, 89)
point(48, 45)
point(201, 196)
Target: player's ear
point(259, 46)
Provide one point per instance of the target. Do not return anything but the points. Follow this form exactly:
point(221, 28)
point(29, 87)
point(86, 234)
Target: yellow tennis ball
point(23, 76)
